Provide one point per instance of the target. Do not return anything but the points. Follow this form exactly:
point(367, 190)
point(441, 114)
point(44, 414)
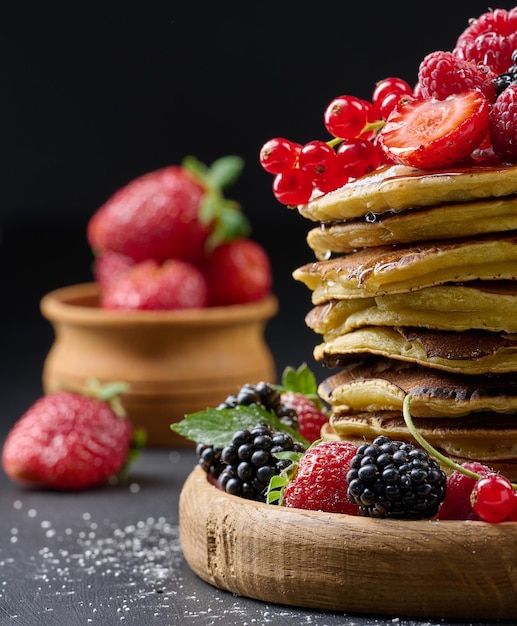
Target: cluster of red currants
point(351, 153)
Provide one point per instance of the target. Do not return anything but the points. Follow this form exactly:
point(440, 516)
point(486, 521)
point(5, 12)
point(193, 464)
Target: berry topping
point(319, 482)
point(409, 124)
point(442, 74)
point(395, 479)
point(503, 124)
point(279, 155)
point(345, 117)
point(490, 40)
point(389, 90)
point(436, 133)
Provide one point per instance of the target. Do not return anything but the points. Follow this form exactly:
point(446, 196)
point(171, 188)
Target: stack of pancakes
point(414, 290)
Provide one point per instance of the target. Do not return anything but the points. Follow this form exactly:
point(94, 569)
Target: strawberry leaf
point(278, 483)
point(216, 427)
point(228, 220)
point(225, 171)
point(301, 380)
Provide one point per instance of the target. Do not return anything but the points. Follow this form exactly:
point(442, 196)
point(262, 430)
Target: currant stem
point(429, 448)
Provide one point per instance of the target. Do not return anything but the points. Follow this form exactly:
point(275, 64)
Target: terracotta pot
point(175, 362)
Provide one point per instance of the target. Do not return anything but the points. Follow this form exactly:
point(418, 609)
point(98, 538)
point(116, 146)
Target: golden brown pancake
point(486, 305)
point(445, 221)
point(399, 187)
point(382, 384)
point(489, 439)
point(397, 269)
point(471, 352)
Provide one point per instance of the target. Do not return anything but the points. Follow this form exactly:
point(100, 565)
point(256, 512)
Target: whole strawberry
point(154, 216)
point(457, 505)
point(169, 213)
point(237, 272)
point(311, 418)
point(152, 286)
point(67, 441)
point(299, 391)
point(109, 266)
point(319, 483)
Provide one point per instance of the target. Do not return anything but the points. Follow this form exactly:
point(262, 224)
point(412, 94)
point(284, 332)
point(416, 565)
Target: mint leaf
point(215, 427)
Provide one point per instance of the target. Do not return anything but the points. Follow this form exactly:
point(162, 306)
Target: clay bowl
point(352, 564)
point(175, 362)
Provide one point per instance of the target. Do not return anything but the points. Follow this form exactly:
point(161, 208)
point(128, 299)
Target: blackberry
point(267, 397)
point(209, 459)
point(395, 479)
point(502, 81)
point(249, 461)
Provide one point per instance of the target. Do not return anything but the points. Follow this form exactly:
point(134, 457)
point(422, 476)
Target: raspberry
point(250, 461)
point(503, 125)
point(395, 479)
point(320, 483)
point(456, 504)
point(310, 417)
point(442, 74)
point(490, 39)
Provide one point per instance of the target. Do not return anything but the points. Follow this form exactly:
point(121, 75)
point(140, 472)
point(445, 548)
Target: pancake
point(471, 352)
point(399, 187)
point(397, 269)
point(421, 224)
point(382, 385)
point(491, 440)
point(489, 305)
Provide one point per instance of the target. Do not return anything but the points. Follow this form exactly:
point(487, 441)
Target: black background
point(95, 94)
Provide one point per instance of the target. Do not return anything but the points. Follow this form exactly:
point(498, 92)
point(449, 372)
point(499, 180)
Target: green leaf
point(200, 170)
point(301, 380)
point(228, 222)
point(216, 427)
point(232, 224)
point(225, 171)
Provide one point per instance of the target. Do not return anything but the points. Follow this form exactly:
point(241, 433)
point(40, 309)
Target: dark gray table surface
point(113, 555)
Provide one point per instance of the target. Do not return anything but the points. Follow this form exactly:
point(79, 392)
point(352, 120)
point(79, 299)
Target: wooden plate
point(345, 563)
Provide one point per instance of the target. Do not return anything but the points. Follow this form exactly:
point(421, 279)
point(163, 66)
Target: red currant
point(493, 498)
point(278, 155)
point(332, 179)
point(345, 117)
point(358, 157)
point(292, 187)
point(316, 157)
point(389, 85)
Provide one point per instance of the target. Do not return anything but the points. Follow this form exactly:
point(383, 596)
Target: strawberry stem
point(429, 448)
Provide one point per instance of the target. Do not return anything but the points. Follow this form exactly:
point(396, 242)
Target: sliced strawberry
point(431, 134)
